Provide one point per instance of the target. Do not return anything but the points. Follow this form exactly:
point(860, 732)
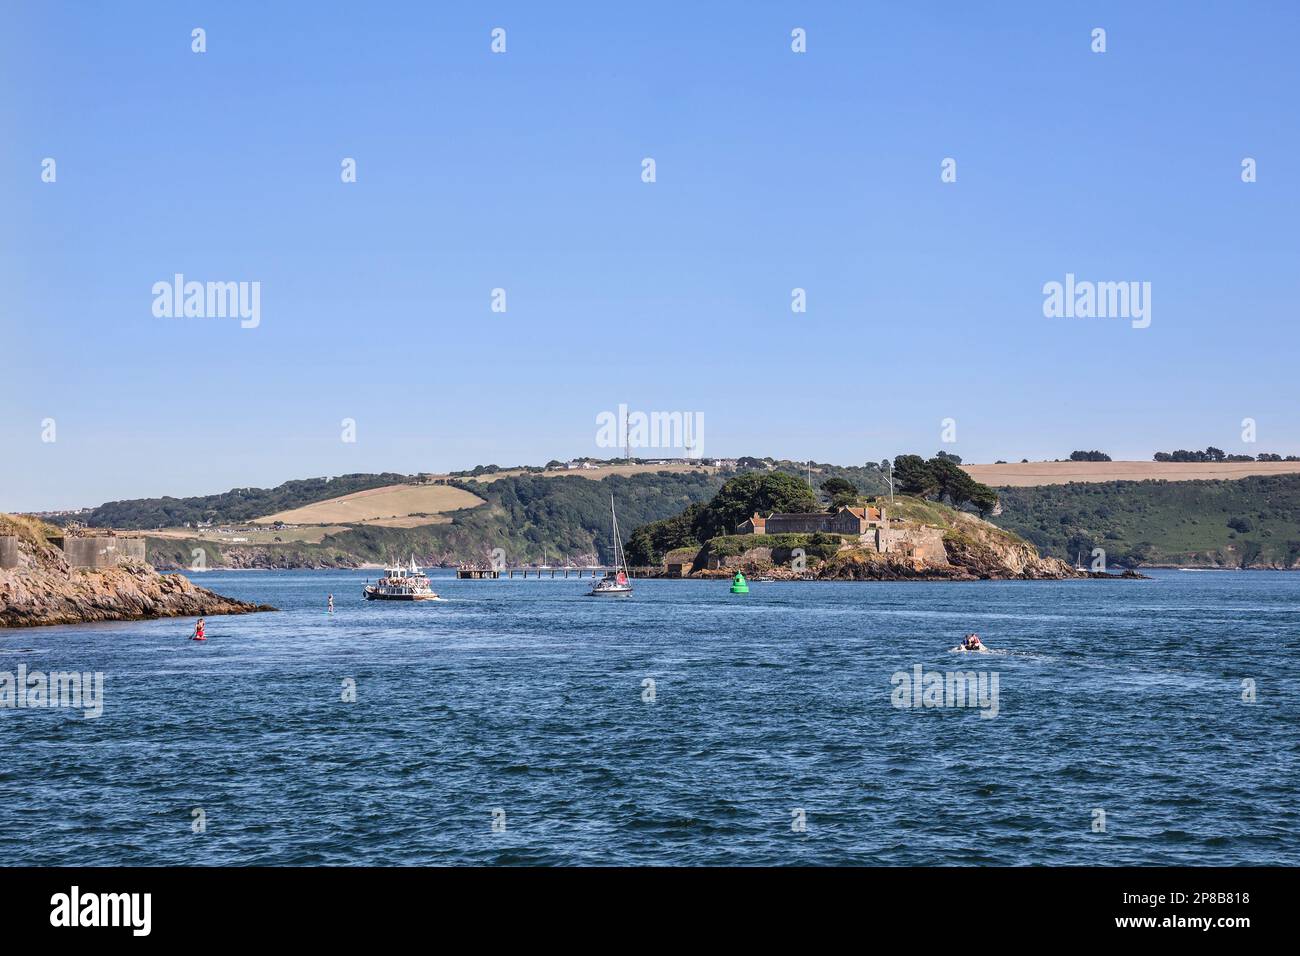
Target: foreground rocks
point(43, 589)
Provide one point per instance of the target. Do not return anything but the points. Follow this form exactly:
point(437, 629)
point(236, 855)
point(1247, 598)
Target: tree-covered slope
point(532, 519)
point(236, 505)
point(1247, 522)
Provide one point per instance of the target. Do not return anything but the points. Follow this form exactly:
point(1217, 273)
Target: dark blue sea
point(515, 723)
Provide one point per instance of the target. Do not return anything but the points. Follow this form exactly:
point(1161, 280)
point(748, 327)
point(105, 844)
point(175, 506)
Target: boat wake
point(1002, 652)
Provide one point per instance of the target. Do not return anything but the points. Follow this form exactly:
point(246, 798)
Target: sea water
point(520, 722)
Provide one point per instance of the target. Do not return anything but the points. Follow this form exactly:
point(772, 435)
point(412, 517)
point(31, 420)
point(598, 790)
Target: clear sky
point(523, 171)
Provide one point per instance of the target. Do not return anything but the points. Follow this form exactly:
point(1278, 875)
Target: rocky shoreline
point(965, 549)
point(44, 590)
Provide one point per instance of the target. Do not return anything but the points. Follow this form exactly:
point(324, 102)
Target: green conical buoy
point(739, 585)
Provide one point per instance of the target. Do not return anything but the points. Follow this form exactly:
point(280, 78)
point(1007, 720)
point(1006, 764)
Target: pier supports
point(509, 573)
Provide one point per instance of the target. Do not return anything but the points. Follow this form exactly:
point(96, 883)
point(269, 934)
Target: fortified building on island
point(871, 526)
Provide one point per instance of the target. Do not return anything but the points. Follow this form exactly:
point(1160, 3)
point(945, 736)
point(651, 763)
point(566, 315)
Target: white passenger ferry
point(401, 584)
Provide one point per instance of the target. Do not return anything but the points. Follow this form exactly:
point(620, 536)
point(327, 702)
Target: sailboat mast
point(619, 559)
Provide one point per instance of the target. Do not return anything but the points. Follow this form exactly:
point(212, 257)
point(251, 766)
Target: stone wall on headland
point(100, 551)
point(43, 587)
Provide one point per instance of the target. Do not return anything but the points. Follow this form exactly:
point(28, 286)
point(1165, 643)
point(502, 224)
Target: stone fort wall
point(922, 542)
point(101, 551)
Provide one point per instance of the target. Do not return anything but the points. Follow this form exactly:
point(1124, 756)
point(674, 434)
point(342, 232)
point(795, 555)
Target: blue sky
point(522, 170)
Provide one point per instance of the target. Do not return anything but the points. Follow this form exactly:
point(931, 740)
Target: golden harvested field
point(1026, 474)
point(410, 521)
point(377, 505)
point(595, 474)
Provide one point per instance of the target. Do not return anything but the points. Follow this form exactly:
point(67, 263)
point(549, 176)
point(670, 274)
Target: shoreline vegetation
point(556, 515)
point(44, 588)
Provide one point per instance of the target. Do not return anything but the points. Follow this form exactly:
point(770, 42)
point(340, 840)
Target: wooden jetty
point(473, 572)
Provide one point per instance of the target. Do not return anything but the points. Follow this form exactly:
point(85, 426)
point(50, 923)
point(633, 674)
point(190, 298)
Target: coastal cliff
point(45, 589)
point(970, 553)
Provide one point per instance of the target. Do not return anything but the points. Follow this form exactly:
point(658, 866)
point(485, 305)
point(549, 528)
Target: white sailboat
point(617, 581)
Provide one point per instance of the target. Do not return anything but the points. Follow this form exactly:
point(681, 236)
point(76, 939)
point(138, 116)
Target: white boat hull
point(376, 595)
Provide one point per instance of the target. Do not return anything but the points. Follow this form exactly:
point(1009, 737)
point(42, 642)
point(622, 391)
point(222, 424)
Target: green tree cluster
point(942, 479)
point(738, 499)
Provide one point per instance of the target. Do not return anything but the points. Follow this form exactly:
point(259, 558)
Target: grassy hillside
point(531, 518)
point(1249, 522)
point(396, 506)
point(236, 505)
point(31, 530)
point(951, 520)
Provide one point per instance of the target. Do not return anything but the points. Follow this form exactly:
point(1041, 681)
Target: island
point(772, 525)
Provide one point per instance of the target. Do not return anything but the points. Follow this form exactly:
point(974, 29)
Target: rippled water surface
point(524, 701)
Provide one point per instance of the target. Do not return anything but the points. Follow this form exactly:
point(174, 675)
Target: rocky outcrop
point(278, 560)
point(257, 558)
point(43, 589)
point(859, 564)
point(935, 544)
point(975, 551)
point(986, 552)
